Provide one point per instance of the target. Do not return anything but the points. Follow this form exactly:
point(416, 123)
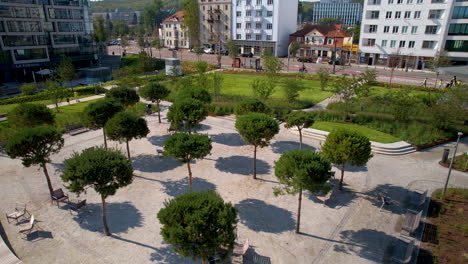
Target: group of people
point(448, 84)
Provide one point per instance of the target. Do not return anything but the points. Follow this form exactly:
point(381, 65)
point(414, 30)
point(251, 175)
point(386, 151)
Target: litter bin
point(445, 155)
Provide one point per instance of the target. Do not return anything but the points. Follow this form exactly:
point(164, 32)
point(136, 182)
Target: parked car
point(224, 52)
point(305, 59)
point(337, 62)
point(247, 54)
point(209, 51)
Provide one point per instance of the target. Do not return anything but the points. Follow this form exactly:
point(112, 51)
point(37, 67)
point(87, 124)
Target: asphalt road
point(414, 77)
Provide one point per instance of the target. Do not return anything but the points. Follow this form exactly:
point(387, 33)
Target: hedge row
point(46, 96)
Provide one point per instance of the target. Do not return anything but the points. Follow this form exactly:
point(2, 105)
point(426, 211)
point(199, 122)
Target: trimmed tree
point(34, 147)
point(324, 77)
point(30, 115)
point(199, 225)
point(300, 120)
point(251, 105)
point(291, 88)
point(154, 92)
point(56, 92)
point(195, 92)
point(65, 71)
point(298, 170)
point(257, 129)
point(344, 147)
point(102, 169)
point(125, 96)
point(186, 114)
point(96, 114)
point(186, 148)
point(125, 126)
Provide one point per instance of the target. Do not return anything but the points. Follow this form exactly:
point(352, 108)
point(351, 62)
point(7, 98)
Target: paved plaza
point(348, 229)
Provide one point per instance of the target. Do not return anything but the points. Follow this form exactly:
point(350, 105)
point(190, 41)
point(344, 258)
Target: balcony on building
point(257, 31)
point(258, 7)
point(373, 2)
point(372, 15)
point(248, 18)
point(367, 42)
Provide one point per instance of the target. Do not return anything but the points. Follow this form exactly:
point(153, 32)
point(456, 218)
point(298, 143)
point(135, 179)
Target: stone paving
point(349, 229)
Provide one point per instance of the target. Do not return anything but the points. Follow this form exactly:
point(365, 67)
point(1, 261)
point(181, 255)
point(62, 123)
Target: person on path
point(440, 83)
point(424, 83)
point(68, 100)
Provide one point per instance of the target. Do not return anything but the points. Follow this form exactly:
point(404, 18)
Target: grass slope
point(372, 134)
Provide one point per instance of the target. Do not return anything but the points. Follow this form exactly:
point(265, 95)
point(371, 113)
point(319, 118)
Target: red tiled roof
point(179, 16)
point(328, 31)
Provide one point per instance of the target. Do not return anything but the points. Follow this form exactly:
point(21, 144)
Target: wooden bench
point(403, 251)
point(411, 221)
point(75, 129)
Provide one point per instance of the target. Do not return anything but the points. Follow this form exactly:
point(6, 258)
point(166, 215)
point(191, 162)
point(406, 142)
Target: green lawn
point(372, 134)
point(379, 90)
point(237, 84)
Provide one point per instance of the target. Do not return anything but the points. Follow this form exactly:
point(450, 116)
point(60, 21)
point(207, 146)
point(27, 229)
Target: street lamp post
point(451, 164)
point(289, 48)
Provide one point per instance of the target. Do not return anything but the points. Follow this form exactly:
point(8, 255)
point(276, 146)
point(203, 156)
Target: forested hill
point(136, 5)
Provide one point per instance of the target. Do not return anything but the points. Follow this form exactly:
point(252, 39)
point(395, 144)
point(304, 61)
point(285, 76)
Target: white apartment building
point(258, 25)
point(172, 35)
point(413, 30)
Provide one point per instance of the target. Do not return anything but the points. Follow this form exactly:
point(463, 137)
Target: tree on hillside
point(251, 105)
point(298, 170)
point(34, 146)
point(186, 148)
point(291, 88)
point(125, 126)
point(56, 92)
point(120, 29)
point(199, 225)
point(101, 33)
point(299, 120)
point(153, 15)
point(191, 21)
point(124, 96)
point(345, 147)
point(104, 170)
point(96, 114)
point(154, 92)
point(324, 77)
point(30, 115)
point(186, 114)
point(65, 72)
point(329, 21)
point(257, 129)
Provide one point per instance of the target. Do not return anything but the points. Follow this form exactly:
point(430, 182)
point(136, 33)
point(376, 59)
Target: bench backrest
point(81, 204)
point(58, 193)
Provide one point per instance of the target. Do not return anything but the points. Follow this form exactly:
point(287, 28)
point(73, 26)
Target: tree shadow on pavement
point(262, 217)
point(120, 217)
point(365, 243)
point(58, 167)
point(229, 139)
point(158, 140)
point(168, 255)
point(350, 168)
point(176, 188)
point(338, 198)
point(280, 147)
point(241, 165)
point(395, 196)
point(153, 163)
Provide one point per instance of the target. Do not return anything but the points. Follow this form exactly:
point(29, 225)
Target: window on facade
point(248, 2)
point(402, 44)
point(269, 26)
point(386, 29)
point(390, 2)
point(248, 25)
point(64, 39)
point(238, 14)
point(458, 29)
point(404, 29)
point(384, 43)
point(429, 44)
point(269, 37)
point(398, 14)
point(30, 54)
point(372, 28)
point(258, 37)
point(17, 41)
point(270, 2)
point(399, 1)
point(460, 12)
point(259, 2)
point(419, 1)
point(414, 29)
point(392, 43)
point(417, 14)
point(238, 25)
point(409, 2)
point(238, 36)
point(248, 36)
point(258, 13)
point(407, 14)
point(269, 13)
point(456, 45)
point(431, 30)
point(370, 42)
point(23, 26)
point(437, 1)
point(395, 29)
point(435, 13)
point(248, 13)
point(70, 26)
point(374, 15)
point(258, 25)
point(388, 15)
point(411, 44)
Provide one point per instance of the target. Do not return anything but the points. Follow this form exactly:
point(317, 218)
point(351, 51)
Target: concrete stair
point(396, 148)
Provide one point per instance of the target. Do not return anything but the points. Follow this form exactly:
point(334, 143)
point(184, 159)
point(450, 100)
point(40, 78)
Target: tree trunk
point(128, 150)
point(56, 106)
point(437, 77)
point(159, 111)
point(300, 139)
point(342, 175)
point(160, 56)
point(204, 261)
point(255, 163)
point(105, 140)
point(189, 176)
point(104, 220)
point(46, 173)
point(298, 224)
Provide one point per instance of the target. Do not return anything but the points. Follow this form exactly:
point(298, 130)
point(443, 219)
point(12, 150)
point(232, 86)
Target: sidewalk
point(75, 101)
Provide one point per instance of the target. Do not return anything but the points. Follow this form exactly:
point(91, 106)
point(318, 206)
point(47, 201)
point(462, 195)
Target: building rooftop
point(177, 17)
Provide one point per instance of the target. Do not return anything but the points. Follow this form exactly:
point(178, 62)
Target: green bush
point(28, 89)
point(328, 115)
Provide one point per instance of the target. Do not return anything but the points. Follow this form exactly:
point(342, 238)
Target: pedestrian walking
point(424, 83)
point(68, 100)
point(440, 83)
